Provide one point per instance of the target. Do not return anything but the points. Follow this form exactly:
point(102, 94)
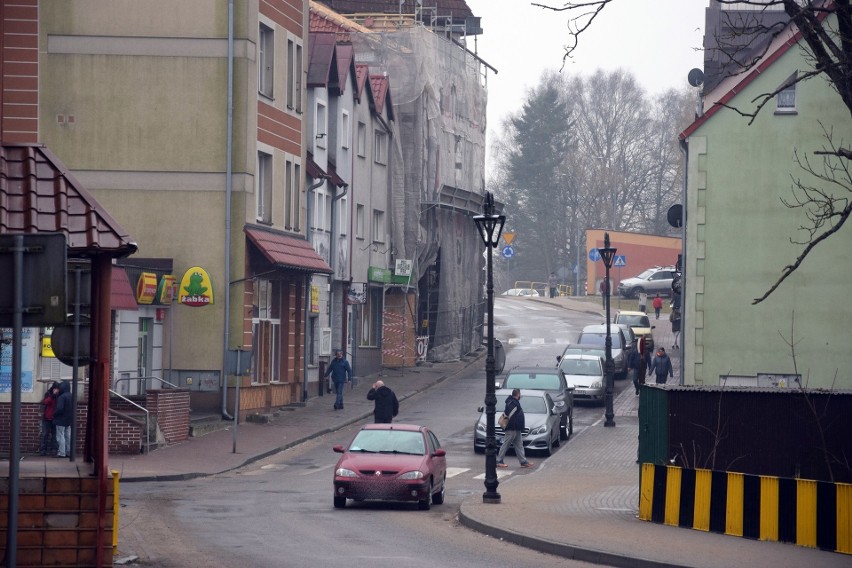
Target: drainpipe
point(684, 148)
point(228, 187)
point(309, 193)
point(343, 327)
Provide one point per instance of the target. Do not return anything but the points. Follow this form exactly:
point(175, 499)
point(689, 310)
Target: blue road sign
point(620, 260)
point(508, 252)
point(594, 255)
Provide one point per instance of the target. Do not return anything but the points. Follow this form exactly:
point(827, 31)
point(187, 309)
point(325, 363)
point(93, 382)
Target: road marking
point(500, 474)
point(454, 471)
point(538, 341)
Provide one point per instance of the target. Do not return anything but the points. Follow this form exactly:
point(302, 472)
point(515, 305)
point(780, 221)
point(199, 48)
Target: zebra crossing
point(536, 340)
point(454, 471)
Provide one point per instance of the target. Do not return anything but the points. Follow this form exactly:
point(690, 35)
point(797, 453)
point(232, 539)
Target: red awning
point(287, 251)
point(122, 296)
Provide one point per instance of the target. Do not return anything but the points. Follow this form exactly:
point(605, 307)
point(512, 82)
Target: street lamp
point(490, 226)
point(607, 255)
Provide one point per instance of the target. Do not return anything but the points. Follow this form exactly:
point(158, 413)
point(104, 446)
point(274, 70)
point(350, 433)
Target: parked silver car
point(541, 422)
point(550, 380)
point(657, 280)
point(586, 374)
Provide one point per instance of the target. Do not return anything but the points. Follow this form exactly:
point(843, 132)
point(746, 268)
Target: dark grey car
point(551, 380)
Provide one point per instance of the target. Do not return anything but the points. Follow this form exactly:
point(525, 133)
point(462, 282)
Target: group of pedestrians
point(56, 417)
point(386, 403)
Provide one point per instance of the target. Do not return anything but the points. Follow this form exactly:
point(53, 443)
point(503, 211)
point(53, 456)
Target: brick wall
point(30, 427)
point(57, 521)
point(171, 409)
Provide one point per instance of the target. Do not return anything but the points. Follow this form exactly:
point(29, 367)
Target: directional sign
point(620, 260)
point(508, 252)
point(594, 255)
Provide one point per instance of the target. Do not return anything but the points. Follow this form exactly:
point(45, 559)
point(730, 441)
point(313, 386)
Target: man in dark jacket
point(62, 418)
point(513, 432)
point(634, 365)
point(341, 373)
point(387, 406)
point(661, 366)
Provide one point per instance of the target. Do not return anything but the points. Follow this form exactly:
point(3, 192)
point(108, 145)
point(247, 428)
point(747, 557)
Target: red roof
point(381, 92)
point(39, 195)
point(286, 251)
point(321, 60)
point(121, 293)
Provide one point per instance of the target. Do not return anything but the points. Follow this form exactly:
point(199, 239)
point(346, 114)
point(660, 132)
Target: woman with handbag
point(513, 431)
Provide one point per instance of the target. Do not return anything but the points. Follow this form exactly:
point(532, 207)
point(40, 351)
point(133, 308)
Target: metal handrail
point(147, 417)
point(162, 381)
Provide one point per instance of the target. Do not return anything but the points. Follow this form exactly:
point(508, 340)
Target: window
point(378, 226)
point(785, 100)
point(380, 151)
point(294, 75)
point(292, 194)
point(263, 191)
point(361, 146)
point(321, 125)
point(345, 130)
point(266, 60)
point(322, 209)
point(371, 319)
point(359, 221)
point(266, 332)
point(343, 216)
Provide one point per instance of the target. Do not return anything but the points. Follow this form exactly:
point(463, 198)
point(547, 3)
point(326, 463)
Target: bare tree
point(824, 28)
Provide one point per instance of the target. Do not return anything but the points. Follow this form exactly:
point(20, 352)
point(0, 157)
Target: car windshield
point(635, 321)
point(645, 275)
point(388, 441)
point(580, 367)
point(533, 405)
point(535, 381)
point(600, 339)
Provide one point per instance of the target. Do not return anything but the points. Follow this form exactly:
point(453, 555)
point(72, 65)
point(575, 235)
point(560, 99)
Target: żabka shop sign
point(196, 288)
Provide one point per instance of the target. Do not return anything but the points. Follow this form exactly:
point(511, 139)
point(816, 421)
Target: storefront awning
point(121, 295)
point(287, 251)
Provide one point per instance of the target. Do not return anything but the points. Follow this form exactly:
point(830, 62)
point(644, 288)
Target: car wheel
point(339, 502)
point(426, 504)
point(563, 429)
point(634, 293)
point(558, 440)
point(477, 449)
point(438, 498)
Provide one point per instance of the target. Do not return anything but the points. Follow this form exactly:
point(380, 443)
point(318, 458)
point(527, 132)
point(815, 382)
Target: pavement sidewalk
point(580, 503)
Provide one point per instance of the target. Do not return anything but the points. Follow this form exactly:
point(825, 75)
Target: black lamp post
point(490, 226)
point(607, 255)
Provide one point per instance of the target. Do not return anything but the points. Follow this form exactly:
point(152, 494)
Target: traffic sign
point(594, 255)
point(508, 252)
point(620, 260)
point(508, 237)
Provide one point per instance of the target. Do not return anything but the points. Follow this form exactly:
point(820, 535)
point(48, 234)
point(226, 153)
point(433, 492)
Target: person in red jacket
point(658, 305)
point(48, 432)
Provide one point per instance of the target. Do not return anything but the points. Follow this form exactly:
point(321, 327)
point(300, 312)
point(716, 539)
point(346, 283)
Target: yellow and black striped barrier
point(815, 514)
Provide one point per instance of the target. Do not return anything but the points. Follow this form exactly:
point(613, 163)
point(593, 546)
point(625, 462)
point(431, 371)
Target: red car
point(391, 462)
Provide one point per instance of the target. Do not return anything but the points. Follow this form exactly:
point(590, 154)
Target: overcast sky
point(656, 40)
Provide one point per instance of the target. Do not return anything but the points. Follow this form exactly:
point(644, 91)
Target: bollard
point(115, 505)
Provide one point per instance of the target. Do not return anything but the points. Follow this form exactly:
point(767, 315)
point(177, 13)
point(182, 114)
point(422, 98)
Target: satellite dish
point(675, 216)
point(696, 77)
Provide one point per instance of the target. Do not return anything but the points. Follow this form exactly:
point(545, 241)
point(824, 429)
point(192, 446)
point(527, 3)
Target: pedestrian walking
point(341, 373)
point(661, 366)
point(48, 431)
point(643, 301)
point(513, 431)
point(634, 365)
point(386, 403)
point(604, 288)
point(658, 305)
point(63, 418)
point(674, 317)
point(553, 282)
